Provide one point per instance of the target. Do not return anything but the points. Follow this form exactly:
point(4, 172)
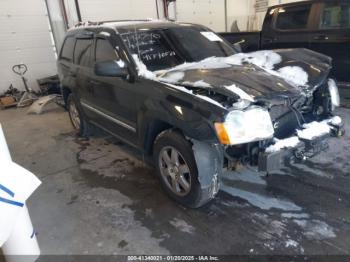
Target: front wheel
point(177, 170)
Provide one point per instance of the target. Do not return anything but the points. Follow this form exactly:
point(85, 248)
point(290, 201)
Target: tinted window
point(336, 16)
point(82, 52)
point(105, 51)
point(67, 49)
point(294, 17)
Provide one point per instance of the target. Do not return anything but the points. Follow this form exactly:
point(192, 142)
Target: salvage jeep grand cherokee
point(181, 93)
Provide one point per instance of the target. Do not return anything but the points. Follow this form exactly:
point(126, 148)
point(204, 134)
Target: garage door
point(96, 10)
point(210, 13)
point(25, 38)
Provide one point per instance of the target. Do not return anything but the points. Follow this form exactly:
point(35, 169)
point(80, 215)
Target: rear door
point(291, 27)
point(332, 36)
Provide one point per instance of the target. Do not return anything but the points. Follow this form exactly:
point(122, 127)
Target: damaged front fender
point(209, 159)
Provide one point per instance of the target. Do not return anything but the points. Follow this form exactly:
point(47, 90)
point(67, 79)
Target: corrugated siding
point(96, 10)
point(25, 38)
point(210, 13)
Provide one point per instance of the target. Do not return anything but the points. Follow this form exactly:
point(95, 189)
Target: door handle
point(321, 37)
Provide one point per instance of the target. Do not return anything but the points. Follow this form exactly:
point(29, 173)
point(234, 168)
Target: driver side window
point(104, 51)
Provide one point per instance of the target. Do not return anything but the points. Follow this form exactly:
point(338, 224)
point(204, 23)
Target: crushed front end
point(301, 127)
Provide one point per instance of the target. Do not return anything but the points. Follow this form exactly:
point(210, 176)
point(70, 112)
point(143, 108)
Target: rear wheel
point(177, 170)
point(80, 124)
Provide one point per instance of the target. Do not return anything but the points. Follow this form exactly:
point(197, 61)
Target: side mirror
point(110, 68)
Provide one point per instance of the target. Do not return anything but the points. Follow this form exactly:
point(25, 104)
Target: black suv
point(181, 93)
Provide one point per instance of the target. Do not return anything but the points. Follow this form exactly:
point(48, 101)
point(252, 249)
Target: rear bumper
point(300, 147)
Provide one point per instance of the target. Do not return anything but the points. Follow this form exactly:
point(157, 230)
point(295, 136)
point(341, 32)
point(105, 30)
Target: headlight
point(334, 93)
point(242, 127)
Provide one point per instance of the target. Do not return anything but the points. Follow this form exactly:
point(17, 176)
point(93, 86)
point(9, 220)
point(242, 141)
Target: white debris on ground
point(283, 143)
point(182, 225)
point(294, 75)
point(315, 229)
point(236, 90)
point(291, 243)
point(295, 215)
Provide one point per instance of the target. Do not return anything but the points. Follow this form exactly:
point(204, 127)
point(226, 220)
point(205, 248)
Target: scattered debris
point(182, 225)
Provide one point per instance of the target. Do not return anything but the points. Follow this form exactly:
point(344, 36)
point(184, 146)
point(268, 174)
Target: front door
point(113, 102)
point(290, 29)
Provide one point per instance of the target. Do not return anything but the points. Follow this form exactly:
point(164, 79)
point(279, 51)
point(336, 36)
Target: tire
point(77, 118)
point(195, 195)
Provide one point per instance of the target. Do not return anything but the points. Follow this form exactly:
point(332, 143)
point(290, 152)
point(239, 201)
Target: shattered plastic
point(311, 130)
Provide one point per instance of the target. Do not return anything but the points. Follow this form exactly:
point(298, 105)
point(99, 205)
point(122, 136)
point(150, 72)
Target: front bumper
point(300, 147)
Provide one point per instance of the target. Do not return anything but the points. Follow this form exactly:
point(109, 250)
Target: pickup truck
point(320, 25)
point(183, 95)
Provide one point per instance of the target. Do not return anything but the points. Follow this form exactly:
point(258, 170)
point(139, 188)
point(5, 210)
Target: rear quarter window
point(293, 17)
point(67, 49)
point(335, 16)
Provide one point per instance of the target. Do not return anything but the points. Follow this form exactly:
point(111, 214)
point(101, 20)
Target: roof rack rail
point(89, 23)
point(126, 20)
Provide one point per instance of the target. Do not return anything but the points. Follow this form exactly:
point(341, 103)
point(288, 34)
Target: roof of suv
point(129, 24)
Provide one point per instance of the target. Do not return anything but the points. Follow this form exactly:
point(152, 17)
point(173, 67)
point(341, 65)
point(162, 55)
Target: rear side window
point(67, 49)
point(335, 16)
point(104, 51)
point(82, 52)
point(293, 17)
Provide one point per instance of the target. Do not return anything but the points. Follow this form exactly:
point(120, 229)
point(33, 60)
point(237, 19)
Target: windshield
point(161, 49)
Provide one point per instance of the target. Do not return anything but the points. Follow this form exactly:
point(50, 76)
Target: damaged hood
point(250, 76)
